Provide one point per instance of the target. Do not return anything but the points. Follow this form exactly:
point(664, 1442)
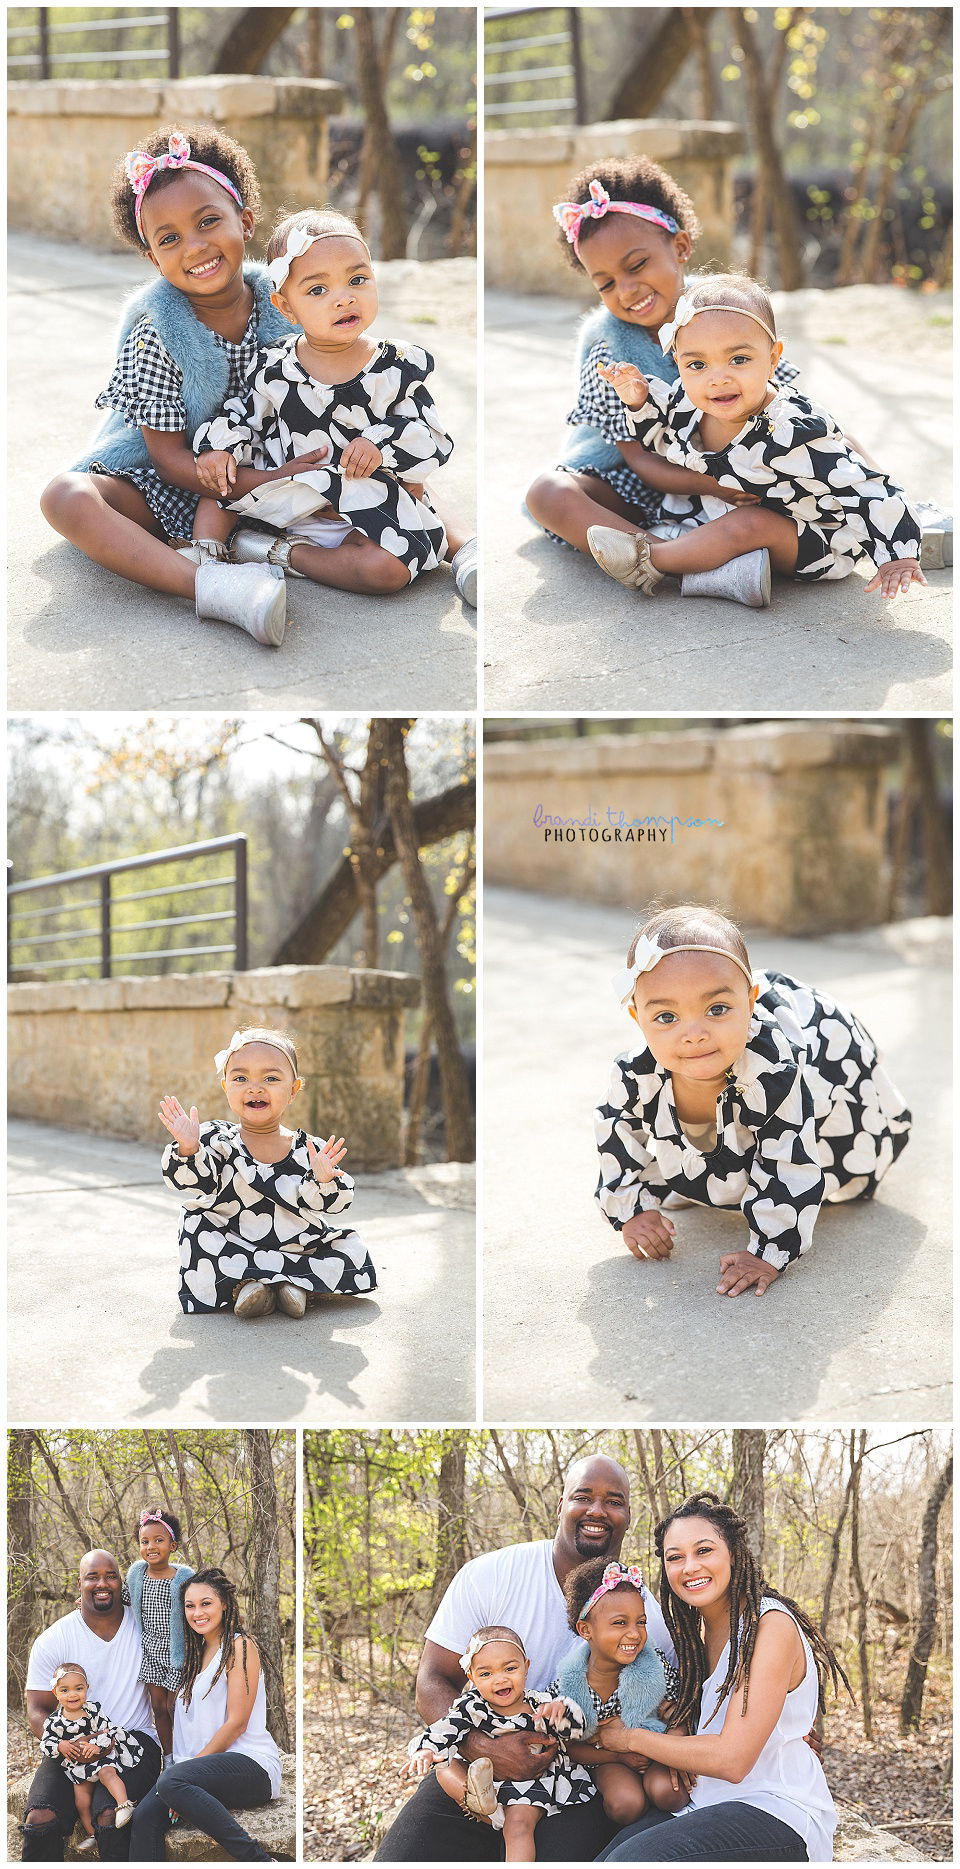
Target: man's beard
point(593, 1548)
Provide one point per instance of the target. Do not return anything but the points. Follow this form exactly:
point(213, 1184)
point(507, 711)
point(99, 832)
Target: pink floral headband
point(157, 1518)
point(141, 170)
point(614, 1575)
point(570, 215)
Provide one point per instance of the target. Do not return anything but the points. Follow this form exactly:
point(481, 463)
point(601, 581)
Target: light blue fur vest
point(641, 1688)
point(178, 1584)
point(627, 343)
point(203, 363)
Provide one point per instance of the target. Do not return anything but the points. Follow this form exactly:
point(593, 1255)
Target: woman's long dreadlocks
point(230, 1628)
point(747, 1587)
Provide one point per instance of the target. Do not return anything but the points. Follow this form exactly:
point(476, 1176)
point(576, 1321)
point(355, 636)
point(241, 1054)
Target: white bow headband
point(477, 1642)
point(251, 1037)
point(685, 311)
point(299, 242)
point(647, 954)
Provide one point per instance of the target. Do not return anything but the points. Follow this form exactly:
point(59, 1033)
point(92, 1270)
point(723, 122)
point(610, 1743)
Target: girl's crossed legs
point(109, 520)
point(569, 504)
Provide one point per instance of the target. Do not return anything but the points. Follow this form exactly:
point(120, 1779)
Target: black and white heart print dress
point(562, 1783)
point(125, 1752)
point(808, 1115)
point(282, 412)
point(244, 1219)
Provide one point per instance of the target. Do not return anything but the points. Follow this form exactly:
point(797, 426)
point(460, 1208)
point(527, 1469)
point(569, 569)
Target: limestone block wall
point(80, 128)
point(781, 825)
point(526, 171)
point(99, 1054)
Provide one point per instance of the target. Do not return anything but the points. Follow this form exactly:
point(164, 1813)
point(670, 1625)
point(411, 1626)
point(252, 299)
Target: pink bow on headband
point(141, 170)
point(614, 1575)
point(157, 1518)
point(570, 215)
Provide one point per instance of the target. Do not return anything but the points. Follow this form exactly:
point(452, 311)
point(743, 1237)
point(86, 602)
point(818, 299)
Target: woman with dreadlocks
point(224, 1758)
point(753, 1669)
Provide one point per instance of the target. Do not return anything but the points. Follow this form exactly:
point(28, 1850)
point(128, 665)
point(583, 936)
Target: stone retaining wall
point(99, 1054)
point(781, 825)
point(80, 128)
point(274, 1826)
point(526, 171)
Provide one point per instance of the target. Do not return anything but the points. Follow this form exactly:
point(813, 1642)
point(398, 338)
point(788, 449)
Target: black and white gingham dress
point(126, 1753)
point(155, 1634)
point(609, 1709)
point(146, 387)
point(562, 1783)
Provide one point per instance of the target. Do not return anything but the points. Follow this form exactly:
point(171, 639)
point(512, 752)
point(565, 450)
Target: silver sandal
point(258, 548)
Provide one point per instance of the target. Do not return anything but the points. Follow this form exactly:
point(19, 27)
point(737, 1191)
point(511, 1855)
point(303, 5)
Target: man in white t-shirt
point(101, 1635)
point(522, 1588)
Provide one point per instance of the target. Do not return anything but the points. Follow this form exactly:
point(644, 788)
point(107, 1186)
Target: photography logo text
point(608, 825)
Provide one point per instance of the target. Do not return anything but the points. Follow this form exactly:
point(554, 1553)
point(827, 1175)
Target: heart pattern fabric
point(809, 1114)
point(560, 1784)
point(243, 1219)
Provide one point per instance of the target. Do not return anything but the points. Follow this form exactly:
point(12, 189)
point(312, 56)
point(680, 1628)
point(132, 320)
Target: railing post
point(105, 927)
point(44, 42)
point(173, 42)
point(579, 91)
point(9, 942)
point(240, 906)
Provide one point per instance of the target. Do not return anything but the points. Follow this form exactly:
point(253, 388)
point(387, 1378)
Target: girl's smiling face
point(637, 268)
point(694, 1011)
point(259, 1084)
point(155, 1544)
point(616, 1627)
point(499, 1674)
point(203, 1610)
point(697, 1563)
point(71, 1693)
point(196, 234)
point(725, 363)
point(331, 292)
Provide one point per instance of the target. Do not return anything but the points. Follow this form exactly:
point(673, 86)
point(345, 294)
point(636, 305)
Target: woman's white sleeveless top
point(193, 1726)
point(787, 1779)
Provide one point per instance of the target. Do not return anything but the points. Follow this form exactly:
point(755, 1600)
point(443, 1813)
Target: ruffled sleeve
point(630, 1178)
point(404, 424)
point(198, 1179)
point(146, 387)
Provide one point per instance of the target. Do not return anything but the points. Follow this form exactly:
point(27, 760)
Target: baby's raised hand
point(896, 578)
point(551, 1713)
point(419, 1765)
point(360, 459)
point(649, 1235)
point(740, 1270)
point(626, 379)
point(184, 1129)
point(327, 1158)
point(217, 472)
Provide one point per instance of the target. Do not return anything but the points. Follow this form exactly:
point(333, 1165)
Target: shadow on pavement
point(304, 1363)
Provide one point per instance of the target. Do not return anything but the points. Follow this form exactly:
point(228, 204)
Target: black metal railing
point(563, 62)
point(45, 37)
point(104, 915)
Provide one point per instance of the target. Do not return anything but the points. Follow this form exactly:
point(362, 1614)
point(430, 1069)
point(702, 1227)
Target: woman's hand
point(896, 578)
point(419, 1765)
point(649, 1235)
point(626, 379)
point(360, 459)
point(326, 1159)
point(613, 1736)
point(740, 1270)
point(184, 1129)
point(217, 472)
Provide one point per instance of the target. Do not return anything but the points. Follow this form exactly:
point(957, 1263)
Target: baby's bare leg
point(621, 1789)
point(356, 565)
point(113, 1783)
point(519, 1823)
point(83, 1797)
point(658, 1786)
point(718, 540)
point(452, 1778)
point(212, 521)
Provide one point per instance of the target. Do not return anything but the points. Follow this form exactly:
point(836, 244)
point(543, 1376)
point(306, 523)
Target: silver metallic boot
point(626, 557)
point(463, 564)
point(936, 546)
point(254, 597)
point(744, 580)
point(258, 548)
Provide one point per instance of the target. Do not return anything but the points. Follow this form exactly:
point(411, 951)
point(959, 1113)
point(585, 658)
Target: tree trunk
point(767, 154)
point(749, 1449)
point(82, 1531)
point(333, 909)
point(858, 1443)
point(513, 1483)
point(183, 1486)
point(421, 1068)
point(457, 1114)
point(251, 37)
point(373, 64)
point(466, 189)
point(656, 65)
point(362, 815)
point(265, 1577)
point(911, 1703)
point(451, 1515)
point(933, 827)
point(697, 20)
point(21, 1574)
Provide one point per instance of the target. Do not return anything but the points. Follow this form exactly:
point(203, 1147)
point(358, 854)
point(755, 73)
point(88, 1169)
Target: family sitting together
point(149, 1712)
point(570, 1718)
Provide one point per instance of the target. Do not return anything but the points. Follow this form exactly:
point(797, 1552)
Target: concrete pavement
point(578, 1331)
point(559, 636)
point(81, 638)
point(95, 1332)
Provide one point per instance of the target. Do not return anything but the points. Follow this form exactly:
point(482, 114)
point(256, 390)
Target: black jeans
point(52, 1791)
point(203, 1792)
point(431, 1828)
point(718, 1833)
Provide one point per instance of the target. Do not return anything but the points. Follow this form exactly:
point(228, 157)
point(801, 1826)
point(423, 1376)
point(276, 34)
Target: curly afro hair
point(581, 1584)
point(169, 1518)
point(633, 178)
point(311, 221)
point(206, 145)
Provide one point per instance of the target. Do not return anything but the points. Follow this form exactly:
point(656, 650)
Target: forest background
point(850, 1524)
